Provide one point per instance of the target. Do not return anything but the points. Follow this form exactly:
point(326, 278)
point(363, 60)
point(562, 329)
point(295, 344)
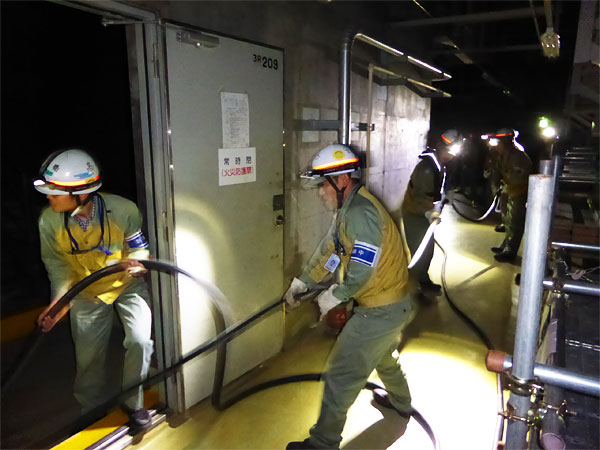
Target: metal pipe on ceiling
point(412, 80)
point(490, 16)
point(346, 68)
point(503, 49)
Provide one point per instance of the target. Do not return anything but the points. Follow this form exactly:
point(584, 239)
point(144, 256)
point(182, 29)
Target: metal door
point(225, 129)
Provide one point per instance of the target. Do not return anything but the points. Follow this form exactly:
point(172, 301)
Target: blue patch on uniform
point(137, 240)
point(364, 253)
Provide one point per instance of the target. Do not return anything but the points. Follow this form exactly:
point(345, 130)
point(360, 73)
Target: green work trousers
point(515, 223)
point(415, 228)
point(91, 325)
point(367, 342)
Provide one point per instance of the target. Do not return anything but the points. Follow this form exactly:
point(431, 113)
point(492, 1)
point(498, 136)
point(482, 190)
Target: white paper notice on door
point(237, 165)
point(236, 120)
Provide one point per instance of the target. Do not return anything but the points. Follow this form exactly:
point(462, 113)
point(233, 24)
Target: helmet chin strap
point(339, 192)
point(80, 204)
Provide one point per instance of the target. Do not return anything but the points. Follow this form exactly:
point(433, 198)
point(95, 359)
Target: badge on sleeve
point(136, 240)
point(332, 263)
point(366, 254)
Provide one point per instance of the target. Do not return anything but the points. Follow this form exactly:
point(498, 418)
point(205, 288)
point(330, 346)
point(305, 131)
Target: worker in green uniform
point(491, 173)
point(514, 168)
point(368, 253)
point(425, 188)
point(83, 231)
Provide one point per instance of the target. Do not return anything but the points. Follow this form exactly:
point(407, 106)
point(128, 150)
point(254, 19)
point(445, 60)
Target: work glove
point(297, 287)
point(327, 300)
point(432, 215)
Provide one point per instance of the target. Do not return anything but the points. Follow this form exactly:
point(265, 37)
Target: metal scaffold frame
point(537, 396)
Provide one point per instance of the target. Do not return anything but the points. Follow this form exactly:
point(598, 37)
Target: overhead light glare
point(550, 43)
point(549, 132)
point(544, 122)
point(455, 149)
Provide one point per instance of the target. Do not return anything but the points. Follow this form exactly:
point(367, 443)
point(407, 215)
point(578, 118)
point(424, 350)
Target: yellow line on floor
point(103, 427)
point(19, 325)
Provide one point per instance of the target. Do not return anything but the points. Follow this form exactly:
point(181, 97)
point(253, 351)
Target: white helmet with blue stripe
point(68, 172)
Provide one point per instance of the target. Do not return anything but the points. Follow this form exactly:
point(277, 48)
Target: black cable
point(484, 338)
point(484, 216)
point(480, 333)
point(219, 342)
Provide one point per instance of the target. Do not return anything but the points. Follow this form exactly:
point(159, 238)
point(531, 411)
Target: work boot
point(305, 444)
point(505, 256)
point(139, 420)
point(497, 249)
point(500, 228)
point(382, 398)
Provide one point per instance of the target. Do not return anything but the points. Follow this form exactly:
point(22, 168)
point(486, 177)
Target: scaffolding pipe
point(553, 426)
point(573, 287)
point(537, 229)
point(346, 68)
point(575, 246)
point(557, 167)
point(546, 167)
point(546, 374)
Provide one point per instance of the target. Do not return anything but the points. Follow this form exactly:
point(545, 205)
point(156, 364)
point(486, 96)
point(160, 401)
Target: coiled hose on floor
point(219, 342)
point(485, 215)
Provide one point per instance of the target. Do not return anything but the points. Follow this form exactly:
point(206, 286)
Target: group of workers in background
point(364, 252)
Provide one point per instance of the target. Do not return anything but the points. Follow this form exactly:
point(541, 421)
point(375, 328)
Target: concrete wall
point(310, 34)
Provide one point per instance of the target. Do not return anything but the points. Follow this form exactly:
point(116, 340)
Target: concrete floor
point(442, 357)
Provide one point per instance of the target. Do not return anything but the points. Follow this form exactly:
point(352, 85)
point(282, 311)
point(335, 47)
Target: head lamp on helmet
point(450, 137)
point(68, 172)
point(505, 133)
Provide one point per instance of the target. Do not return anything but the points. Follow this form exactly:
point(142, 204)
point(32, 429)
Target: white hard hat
point(450, 136)
point(334, 159)
point(68, 172)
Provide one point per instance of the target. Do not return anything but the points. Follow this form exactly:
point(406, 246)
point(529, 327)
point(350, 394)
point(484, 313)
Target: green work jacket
point(424, 186)
point(374, 258)
point(514, 168)
point(122, 239)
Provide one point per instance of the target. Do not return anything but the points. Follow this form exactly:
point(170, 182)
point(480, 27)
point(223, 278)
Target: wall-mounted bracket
point(330, 125)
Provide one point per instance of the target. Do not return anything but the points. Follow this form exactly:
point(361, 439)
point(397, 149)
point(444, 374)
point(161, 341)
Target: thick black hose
point(36, 337)
point(484, 216)
point(218, 342)
point(484, 338)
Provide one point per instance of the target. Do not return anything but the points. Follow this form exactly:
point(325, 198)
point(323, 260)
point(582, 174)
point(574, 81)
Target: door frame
point(146, 61)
